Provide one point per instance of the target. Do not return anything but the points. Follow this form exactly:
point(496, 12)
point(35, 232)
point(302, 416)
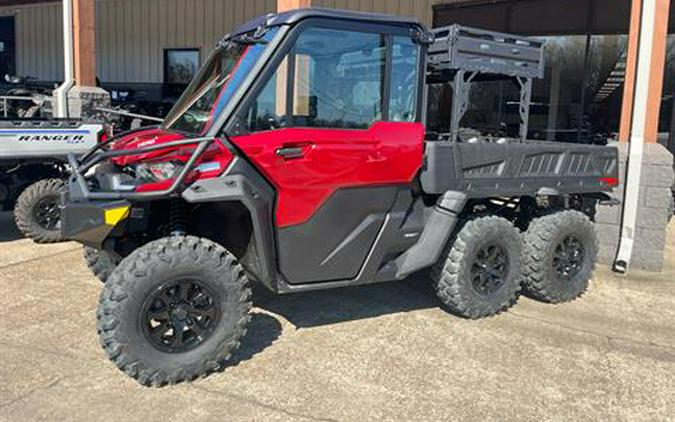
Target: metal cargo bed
point(24, 139)
point(512, 169)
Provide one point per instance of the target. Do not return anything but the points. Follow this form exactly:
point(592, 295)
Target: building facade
point(152, 48)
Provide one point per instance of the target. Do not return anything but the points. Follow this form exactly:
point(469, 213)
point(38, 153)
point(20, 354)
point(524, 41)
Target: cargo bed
point(513, 169)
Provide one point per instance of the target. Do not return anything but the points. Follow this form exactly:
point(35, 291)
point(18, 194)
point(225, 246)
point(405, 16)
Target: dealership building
point(610, 69)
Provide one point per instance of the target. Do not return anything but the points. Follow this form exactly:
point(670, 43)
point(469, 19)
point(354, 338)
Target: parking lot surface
point(380, 352)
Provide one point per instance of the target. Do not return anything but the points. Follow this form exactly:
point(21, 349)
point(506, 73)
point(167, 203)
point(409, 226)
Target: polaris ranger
point(34, 170)
point(298, 158)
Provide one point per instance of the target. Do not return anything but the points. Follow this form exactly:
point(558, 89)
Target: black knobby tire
point(37, 211)
point(560, 253)
point(151, 271)
point(480, 273)
point(100, 262)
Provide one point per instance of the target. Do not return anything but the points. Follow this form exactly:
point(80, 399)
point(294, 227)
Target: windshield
point(214, 85)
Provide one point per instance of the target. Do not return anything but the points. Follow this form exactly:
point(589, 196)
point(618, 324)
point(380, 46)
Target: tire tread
point(133, 267)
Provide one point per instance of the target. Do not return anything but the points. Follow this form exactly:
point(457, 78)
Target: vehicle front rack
point(94, 156)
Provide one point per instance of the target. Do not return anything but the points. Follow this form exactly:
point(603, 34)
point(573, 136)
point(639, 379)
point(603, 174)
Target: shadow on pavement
point(265, 329)
point(325, 307)
point(8, 229)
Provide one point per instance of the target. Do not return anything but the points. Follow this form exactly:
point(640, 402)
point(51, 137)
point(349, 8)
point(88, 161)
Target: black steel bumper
point(91, 222)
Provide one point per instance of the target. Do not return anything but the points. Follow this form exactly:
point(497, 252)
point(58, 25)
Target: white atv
point(33, 170)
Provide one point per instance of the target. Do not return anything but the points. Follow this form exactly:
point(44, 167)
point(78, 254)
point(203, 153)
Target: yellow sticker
point(115, 215)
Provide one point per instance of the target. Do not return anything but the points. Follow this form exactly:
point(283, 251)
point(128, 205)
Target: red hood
point(145, 138)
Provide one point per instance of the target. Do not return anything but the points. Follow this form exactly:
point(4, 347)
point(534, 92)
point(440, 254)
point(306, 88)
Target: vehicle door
point(334, 127)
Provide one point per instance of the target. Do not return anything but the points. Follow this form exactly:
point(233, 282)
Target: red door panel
point(317, 162)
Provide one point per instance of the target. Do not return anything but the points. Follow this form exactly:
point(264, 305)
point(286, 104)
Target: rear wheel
point(480, 274)
point(37, 211)
point(560, 253)
point(174, 310)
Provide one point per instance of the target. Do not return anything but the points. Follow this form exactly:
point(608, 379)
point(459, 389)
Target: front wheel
point(37, 211)
point(174, 310)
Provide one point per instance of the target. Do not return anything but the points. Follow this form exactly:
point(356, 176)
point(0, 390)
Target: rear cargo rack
point(461, 55)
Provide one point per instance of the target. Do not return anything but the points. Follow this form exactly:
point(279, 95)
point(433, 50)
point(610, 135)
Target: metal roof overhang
point(4, 3)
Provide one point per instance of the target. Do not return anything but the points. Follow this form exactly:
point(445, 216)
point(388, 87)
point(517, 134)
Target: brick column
point(85, 97)
point(638, 227)
point(654, 199)
point(660, 27)
point(283, 5)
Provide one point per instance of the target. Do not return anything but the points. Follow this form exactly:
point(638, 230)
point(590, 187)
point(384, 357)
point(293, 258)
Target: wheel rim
point(47, 213)
point(568, 258)
point(490, 269)
point(179, 316)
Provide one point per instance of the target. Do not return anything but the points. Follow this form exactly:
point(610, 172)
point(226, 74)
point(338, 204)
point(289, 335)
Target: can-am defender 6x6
point(298, 157)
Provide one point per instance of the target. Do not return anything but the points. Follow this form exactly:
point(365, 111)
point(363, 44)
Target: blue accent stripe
point(45, 131)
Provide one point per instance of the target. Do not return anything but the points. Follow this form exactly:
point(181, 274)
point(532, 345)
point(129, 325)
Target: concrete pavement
point(381, 352)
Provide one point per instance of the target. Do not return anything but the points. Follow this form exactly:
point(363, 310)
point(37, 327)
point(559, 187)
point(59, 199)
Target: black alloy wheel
point(47, 213)
point(179, 316)
point(490, 269)
point(568, 258)
point(38, 213)
point(173, 310)
point(561, 249)
point(480, 274)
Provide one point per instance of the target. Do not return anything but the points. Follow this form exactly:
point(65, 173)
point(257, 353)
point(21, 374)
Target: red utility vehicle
point(298, 157)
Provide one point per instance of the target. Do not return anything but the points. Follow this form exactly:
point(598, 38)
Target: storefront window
point(667, 117)
point(579, 99)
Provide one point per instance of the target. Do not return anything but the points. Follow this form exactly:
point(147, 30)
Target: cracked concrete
point(382, 352)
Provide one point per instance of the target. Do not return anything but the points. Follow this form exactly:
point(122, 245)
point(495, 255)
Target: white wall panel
point(131, 35)
point(39, 42)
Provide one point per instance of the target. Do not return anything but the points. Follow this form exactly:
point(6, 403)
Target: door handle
point(291, 152)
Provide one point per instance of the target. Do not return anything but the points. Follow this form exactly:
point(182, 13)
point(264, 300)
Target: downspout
point(637, 138)
point(61, 93)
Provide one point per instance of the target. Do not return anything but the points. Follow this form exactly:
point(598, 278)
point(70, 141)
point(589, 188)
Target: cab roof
point(294, 16)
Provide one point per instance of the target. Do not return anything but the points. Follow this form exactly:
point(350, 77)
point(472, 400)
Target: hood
point(145, 138)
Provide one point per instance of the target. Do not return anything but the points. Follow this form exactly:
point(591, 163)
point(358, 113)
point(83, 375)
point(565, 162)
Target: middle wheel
point(480, 274)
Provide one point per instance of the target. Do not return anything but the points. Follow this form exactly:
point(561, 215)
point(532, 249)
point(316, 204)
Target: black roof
point(296, 15)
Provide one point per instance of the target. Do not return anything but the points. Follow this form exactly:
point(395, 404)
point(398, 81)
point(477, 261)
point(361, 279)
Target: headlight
point(158, 171)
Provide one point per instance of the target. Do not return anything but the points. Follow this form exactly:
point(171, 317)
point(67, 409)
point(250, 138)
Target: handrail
point(121, 153)
point(130, 114)
point(33, 98)
point(80, 168)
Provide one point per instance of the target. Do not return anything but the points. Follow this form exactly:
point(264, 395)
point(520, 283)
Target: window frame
point(239, 124)
point(165, 62)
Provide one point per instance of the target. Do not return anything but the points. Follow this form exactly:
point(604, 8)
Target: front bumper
point(91, 222)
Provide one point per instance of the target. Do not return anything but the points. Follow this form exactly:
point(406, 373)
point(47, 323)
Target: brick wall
point(655, 195)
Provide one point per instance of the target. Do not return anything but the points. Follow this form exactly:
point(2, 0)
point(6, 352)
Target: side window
point(268, 111)
point(404, 80)
point(338, 78)
point(338, 81)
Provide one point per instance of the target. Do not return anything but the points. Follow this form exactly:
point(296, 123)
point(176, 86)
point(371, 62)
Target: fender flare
point(242, 183)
